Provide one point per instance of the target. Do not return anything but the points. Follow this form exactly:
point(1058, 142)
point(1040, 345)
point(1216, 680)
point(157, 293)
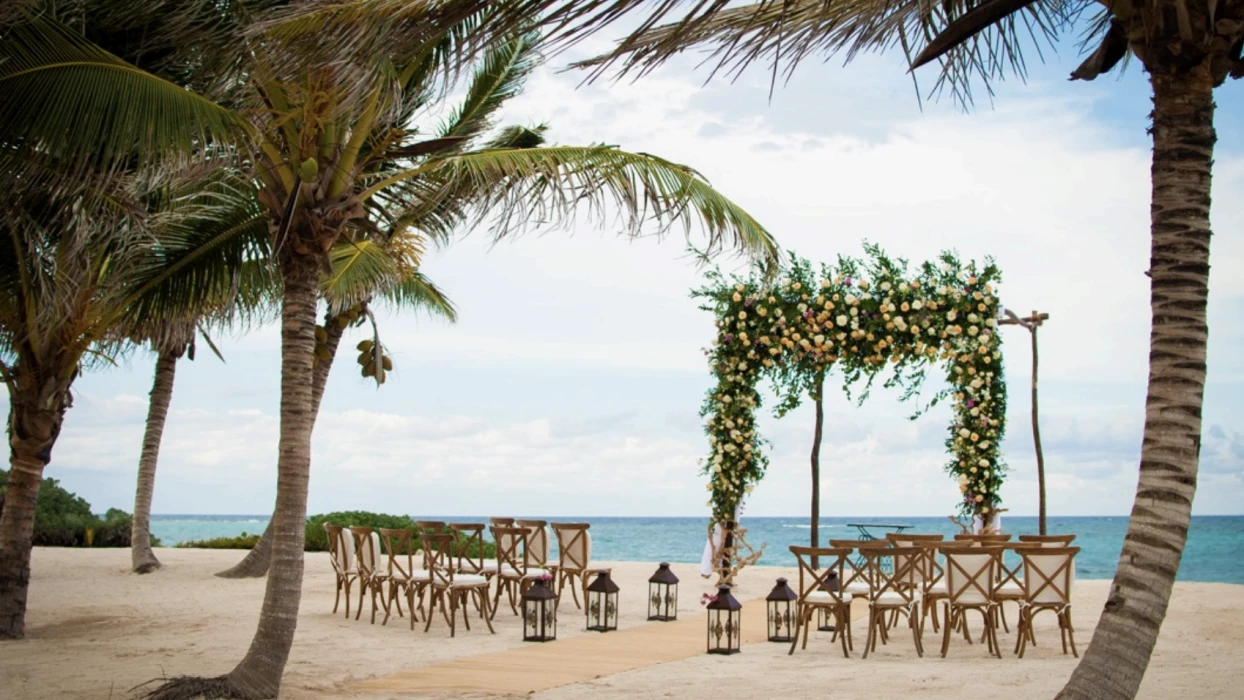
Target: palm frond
point(782, 33)
point(66, 96)
point(358, 270)
point(417, 292)
point(523, 188)
point(499, 77)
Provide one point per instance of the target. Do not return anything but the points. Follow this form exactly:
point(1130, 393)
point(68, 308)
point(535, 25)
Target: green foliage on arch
point(868, 317)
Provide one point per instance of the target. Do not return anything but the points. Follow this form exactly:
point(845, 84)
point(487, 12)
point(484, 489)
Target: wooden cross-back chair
point(574, 545)
point(815, 593)
point(892, 592)
point(402, 574)
point(469, 550)
point(1011, 577)
point(935, 580)
point(514, 576)
point(451, 590)
point(971, 579)
point(1048, 576)
point(537, 551)
point(858, 579)
point(345, 565)
point(428, 527)
point(373, 575)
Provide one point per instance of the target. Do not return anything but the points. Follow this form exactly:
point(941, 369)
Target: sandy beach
point(94, 630)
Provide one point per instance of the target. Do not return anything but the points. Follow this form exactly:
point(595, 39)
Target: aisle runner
point(534, 667)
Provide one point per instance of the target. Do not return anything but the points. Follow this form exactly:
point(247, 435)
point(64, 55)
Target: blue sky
point(573, 382)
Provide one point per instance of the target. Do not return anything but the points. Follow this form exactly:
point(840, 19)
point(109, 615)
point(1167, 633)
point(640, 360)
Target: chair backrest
point(983, 539)
point(438, 550)
point(537, 551)
point(367, 550)
point(971, 574)
point(933, 570)
point(511, 548)
point(1049, 540)
point(1048, 574)
point(858, 572)
point(502, 521)
point(896, 581)
point(900, 538)
point(399, 545)
point(340, 548)
point(574, 544)
point(470, 546)
point(428, 527)
point(831, 563)
point(1012, 571)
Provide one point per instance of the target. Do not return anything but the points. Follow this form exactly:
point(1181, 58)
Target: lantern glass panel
point(663, 594)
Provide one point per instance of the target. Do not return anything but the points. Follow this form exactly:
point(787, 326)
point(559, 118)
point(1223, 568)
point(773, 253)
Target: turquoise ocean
point(1212, 554)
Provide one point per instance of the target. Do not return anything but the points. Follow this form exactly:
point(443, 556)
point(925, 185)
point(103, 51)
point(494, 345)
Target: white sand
point(94, 630)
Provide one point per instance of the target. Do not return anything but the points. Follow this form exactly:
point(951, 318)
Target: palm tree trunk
point(1036, 438)
point(1183, 146)
point(142, 558)
point(256, 561)
point(35, 418)
point(816, 464)
point(259, 673)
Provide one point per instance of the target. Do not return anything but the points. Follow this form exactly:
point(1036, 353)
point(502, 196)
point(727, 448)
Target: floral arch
point(866, 317)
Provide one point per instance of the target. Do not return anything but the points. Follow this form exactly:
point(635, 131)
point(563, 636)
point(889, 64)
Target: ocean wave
point(809, 527)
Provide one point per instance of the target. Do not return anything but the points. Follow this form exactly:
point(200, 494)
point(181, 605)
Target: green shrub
point(242, 541)
point(317, 539)
point(62, 519)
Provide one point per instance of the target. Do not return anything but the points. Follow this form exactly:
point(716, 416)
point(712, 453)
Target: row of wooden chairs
point(907, 575)
point(449, 569)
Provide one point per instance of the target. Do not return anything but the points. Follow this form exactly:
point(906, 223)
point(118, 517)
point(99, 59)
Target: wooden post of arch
point(1032, 323)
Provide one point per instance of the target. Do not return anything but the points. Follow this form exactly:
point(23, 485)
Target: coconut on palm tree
point(1188, 48)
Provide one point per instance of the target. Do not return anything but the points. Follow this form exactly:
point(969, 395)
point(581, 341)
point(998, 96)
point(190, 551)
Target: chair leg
point(466, 617)
point(1071, 635)
point(362, 591)
point(1026, 623)
point(484, 612)
point(348, 583)
point(436, 593)
point(946, 630)
point(872, 632)
point(843, 630)
point(337, 600)
point(453, 610)
point(410, 603)
point(1002, 614)
point(914, 623)
point(794, 638)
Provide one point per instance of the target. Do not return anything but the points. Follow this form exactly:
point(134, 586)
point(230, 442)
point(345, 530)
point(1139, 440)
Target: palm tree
point(326, 80)
point(1188, 47)
point(360, 270)
point(72, 210)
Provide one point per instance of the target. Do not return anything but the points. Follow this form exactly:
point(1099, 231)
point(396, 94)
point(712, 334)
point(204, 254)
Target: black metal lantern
point(725, 617)
point(663, 594)
point(602, 603)
point(780, 607)
point(825, 616)
point(539, 613)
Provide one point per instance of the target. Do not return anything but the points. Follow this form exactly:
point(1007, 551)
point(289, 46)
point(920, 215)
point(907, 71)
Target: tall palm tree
point(1188, 48)
point(325, 80)
point(73, 213)
point(360, 271)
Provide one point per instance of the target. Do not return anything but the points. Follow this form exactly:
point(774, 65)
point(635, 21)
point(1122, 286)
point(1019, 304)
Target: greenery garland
point(866, 317)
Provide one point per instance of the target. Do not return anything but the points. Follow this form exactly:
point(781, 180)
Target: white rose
point(885, 286)
point(742, 366)
point(984, 463)
point(842, 320)
point(738, 297)
point(963, 432)
point(917, 305)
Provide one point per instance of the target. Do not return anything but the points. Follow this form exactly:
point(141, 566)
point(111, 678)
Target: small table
point(866, 535)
